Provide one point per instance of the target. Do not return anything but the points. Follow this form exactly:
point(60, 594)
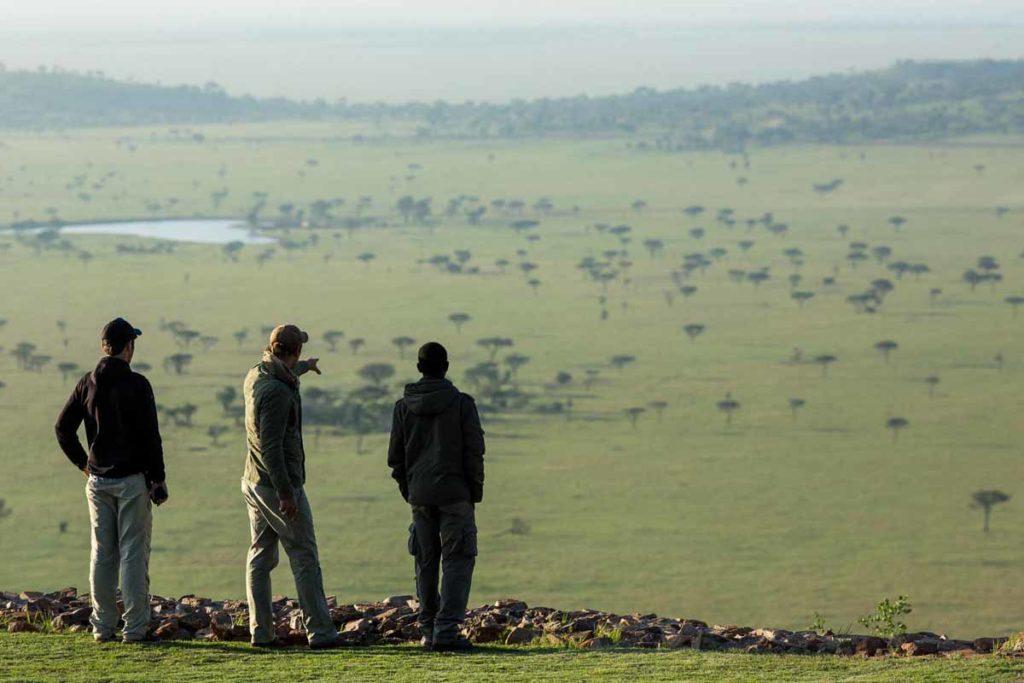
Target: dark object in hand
point(158, 494)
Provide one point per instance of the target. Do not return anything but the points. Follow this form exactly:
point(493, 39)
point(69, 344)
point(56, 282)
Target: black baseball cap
point(119, 332)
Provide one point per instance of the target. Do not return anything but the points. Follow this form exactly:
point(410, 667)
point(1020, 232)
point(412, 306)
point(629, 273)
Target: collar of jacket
point(277, 369)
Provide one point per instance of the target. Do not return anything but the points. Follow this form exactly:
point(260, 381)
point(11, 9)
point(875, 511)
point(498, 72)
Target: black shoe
point(460, 644)
point(275, 644)
point(427, 644)
point(329, 645)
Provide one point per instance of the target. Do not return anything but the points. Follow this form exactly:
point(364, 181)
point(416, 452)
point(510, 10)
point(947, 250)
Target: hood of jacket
point(110, 370)
point(430, 396)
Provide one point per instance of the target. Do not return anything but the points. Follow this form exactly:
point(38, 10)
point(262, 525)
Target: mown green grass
point(76, 658)
point(765, 522)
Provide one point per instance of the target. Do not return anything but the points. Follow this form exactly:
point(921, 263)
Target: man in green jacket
point(275, 472)
point(437, 457)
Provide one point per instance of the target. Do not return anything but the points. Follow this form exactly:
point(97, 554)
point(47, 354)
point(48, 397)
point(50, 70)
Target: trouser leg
point(425, 547)
point(103, 559)
point(260, 561)
point(304, 557)
point(135, 525)
point(458, 558)
point(299, 542)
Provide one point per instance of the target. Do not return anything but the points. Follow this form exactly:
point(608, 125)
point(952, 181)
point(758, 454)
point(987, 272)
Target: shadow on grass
point(244, 650)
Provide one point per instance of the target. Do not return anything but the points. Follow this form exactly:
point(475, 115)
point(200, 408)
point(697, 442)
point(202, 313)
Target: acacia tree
point(658, 407)
point(886, 347)
point(619, 362)
point(986, 500)
point(240, 336)
point(67, 368)
point(633, 414)
point(514, 361)
point(796, 404)
point(377, 372)
point(332, 337)
point(932, 381)
point(1015, 302)
point(459, 319)
point(4, 510)
point(402, 343)
point(215, 432)
point(356, 344)
point(493, 344)
point(22, 353)
point(728, 405)
point(802, 297)
point(226, 398)
point(693, 330)
point(824, 361)
point(895, 424)
point(177, 363)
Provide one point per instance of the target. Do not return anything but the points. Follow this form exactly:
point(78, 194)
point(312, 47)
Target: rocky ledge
point(508, 622)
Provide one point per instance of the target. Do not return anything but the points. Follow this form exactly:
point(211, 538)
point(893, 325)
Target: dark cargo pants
point(443, 539)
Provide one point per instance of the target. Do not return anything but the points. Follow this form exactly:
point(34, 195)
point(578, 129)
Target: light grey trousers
point(122, 521)
point(268, 526)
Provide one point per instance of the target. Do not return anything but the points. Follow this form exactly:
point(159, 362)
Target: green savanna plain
point(767, 520)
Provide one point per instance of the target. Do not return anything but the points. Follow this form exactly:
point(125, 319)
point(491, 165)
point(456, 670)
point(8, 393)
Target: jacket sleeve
point(396, 453)
point(273, 420)
point(68, 422)
point(150, 433)
point(472, 448)
point(301, 368)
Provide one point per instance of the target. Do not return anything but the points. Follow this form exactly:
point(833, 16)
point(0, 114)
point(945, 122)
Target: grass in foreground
point(75, 657)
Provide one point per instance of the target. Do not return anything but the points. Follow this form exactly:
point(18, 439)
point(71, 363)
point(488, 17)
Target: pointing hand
point(311, 362)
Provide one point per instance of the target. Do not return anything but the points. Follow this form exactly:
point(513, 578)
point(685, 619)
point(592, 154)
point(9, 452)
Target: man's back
point(437, 444)
point(120, 418)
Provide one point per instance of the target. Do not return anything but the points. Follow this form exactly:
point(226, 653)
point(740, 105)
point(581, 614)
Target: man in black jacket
point(125, 472)
point(436, 456)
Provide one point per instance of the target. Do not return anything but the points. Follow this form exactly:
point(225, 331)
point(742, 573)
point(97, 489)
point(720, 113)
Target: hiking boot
point(427, 644)
point(275, 644)
point(108, 638)
point(460, 644)
point(328, 645)
point(148, 640)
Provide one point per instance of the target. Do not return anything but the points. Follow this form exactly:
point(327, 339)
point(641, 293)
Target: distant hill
point(908, 101)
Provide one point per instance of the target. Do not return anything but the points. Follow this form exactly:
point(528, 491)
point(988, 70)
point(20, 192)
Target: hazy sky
point(175, 14)
point(399, 50)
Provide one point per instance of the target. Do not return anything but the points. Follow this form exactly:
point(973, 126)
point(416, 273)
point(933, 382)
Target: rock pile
point(507, 622)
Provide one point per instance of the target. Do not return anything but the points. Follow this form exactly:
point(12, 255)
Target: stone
point(222, 625)
point(677, 640)
point(988, 644)
point(869, 645)
point(598, 643)
point(76, 617)
point(358, 626)
point(167, 630)
point(397, 601)
point(194, 621)
point(917, 648)
point(521, 635)
point(21, 626)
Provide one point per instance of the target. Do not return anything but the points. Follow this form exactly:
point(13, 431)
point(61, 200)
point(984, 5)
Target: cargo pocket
point(468, 546)
point(414, 547)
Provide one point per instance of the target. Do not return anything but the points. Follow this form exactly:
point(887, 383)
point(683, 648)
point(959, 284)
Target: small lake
point(205, 231)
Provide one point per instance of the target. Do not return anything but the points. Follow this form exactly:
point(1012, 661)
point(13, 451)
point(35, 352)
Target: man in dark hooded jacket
point(436, 456)
point(124, 470)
